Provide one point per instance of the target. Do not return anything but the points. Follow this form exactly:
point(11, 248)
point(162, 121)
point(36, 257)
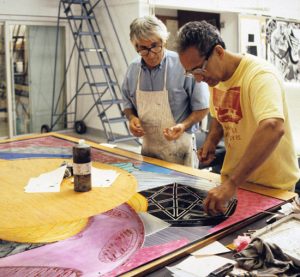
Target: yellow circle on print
point(59, 211)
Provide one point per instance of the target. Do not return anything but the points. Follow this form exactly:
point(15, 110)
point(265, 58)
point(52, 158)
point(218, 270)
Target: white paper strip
point(47, 182)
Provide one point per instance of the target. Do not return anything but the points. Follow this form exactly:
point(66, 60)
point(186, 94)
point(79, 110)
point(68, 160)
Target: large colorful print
point(113, 242)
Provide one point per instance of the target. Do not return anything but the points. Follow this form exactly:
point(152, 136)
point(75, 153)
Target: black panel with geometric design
point(180, 205)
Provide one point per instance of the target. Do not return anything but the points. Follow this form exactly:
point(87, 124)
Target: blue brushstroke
point(154, 168)
point(130, 167)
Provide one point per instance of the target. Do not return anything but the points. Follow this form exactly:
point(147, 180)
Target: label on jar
point(82, 169)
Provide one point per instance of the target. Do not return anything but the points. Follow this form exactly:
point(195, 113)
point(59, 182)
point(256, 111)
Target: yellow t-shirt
point(254, 93)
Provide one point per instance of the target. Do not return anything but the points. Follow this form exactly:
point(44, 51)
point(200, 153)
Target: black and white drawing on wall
point(283, 47)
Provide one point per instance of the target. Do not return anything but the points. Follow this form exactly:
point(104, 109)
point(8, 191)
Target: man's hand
point(174, 132)
point(218, 198)
point(135, 127)
point(206, 153)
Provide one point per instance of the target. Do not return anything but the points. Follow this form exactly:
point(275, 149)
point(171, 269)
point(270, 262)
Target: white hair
point(148, 28)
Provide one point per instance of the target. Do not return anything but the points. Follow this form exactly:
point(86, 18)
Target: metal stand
point(99, 74)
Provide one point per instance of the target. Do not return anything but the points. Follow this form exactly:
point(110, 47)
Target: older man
point(162, 104)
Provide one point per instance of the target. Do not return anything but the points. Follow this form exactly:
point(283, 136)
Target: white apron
point(155, 114)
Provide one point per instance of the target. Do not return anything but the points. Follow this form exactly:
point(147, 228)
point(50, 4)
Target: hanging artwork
point(283, 47)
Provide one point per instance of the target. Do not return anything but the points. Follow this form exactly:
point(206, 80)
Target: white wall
point(293, 101)
point(229, 30)
point(29, 8)
point(286, 9)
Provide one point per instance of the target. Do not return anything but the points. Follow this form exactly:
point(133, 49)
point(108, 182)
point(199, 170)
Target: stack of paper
point(198, 267)
point(203, 261)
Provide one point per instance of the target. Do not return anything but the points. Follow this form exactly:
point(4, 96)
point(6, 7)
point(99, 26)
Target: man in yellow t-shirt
point(248, 109)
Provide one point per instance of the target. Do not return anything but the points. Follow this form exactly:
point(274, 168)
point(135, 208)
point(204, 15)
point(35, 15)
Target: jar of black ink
point(82, 166)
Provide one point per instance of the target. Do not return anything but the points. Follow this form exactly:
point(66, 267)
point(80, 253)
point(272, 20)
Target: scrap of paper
point(201, 267)
point(46, 182)
point(211, 249)
point(176, 272)
point(108, 145)
point(286, 209)
point(287, 229)
point(103, 178)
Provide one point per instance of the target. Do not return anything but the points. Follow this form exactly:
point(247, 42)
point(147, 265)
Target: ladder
point(99, 75)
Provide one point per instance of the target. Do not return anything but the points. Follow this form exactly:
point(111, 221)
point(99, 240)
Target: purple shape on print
point(108, 241)
point(118, 245)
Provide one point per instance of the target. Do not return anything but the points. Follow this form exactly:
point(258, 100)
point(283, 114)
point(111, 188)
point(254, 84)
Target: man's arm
point(130, 113)
point(264, 141)
point(262, 144)
point(176, 131)
point(194, 117)
point(206, 152)
point(134, 122)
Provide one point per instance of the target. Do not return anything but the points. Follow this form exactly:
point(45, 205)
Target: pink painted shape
point(147, 254)
point(30, 271)
point(96, 155)
point(108, 241)
point(103, 157)
point(249, 204)
point(46, 141)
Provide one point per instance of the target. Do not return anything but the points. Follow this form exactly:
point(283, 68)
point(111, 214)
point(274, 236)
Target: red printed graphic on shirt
point(227, 105)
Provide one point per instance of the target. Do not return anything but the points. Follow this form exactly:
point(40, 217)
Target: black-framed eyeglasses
point(144, 51)
point(200, 69)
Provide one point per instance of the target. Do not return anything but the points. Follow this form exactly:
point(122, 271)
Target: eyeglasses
point(200, 69)
point(144, 51)
point(197, 70)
